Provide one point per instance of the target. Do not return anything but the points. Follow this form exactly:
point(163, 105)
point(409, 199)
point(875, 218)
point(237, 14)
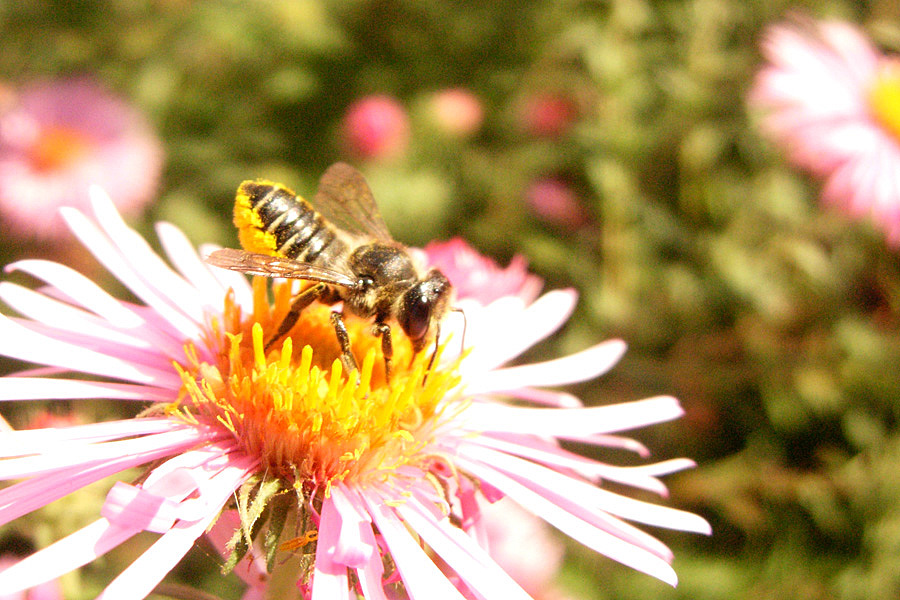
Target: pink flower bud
point(457, 112)
point(553, 201)
point(376, 127)
point(549, 115)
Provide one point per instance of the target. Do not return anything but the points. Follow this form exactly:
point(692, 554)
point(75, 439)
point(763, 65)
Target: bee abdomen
point(272, 219)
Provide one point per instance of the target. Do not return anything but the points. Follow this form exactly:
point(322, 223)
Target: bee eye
point(416, 313)
point(419, 319)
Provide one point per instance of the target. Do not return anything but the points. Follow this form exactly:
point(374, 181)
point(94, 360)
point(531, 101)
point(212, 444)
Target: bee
point(344, 246)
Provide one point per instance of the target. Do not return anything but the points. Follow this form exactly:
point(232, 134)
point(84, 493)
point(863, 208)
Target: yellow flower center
point(884, 97)
point(294, 407)
point(57, 147)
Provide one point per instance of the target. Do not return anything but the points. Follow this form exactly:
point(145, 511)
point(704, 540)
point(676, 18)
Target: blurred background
point(610, 144)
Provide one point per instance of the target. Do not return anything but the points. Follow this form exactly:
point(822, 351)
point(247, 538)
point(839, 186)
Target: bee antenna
point(462, 344)
point(437, 337)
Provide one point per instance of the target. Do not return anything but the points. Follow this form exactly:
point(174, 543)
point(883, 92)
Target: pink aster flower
point(345, 486)
point(59, 138)
point(476, 277)
point(832, 101)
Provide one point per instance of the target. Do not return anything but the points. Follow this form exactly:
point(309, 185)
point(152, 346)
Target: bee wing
point(345, 199)
point(274, 266)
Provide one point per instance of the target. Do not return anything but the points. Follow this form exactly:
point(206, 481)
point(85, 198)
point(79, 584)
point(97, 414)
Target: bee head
point(424, 304)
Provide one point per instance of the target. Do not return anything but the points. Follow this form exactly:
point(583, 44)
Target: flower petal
point(574, 368)
point(423, 580)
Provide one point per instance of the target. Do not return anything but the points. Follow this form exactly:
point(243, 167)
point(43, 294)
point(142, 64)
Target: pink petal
point(371, 574)
point(562, 487)
point(540, 451)
point(65, 456)
point(35, 441)
point(139, 579)
point(60, 315)
point(19, 342)
point(599, 540)
point(473, 565)
point(350, 550)
point(423, 580)
point(330, 579)
point(26, 496)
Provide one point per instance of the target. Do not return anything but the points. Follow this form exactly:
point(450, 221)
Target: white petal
point(563, 422)
point(124, 270)
point(151, 268)
point(230, 279)
point(182, 254)
point(69, 553)
point(574, 368)
point(35, 388)
point(63, 316)
point(80, 290)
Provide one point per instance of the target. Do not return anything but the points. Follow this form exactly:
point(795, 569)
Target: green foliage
point(773, 319)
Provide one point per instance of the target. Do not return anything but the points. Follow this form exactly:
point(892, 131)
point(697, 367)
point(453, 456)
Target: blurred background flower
point(376, 127)
point(57, 138)
point(832, 101)
point(456, 112)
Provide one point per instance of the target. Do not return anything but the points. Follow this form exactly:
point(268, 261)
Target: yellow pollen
point(308, 421)
point(884, 97)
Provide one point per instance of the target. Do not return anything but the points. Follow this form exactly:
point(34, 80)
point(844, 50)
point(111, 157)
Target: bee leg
point(383, 330)
point(347, 360)
point(303, 299)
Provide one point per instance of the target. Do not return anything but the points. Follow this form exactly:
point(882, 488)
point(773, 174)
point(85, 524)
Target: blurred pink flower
point(376, 127)
point(382, 480)
point(524, 546)
point(549, 114)
point(457, 112)
point(479, 278)
point(552, 200)
point(59, 138)
point(832, 101)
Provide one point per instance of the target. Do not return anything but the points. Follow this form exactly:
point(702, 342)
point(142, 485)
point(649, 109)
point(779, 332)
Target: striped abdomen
point(273, 220)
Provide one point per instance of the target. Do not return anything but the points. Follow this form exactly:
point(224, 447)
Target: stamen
point(309, 421)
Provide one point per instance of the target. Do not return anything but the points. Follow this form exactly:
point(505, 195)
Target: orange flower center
point(884, 97)
point(295, 408)
point(57, 147)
